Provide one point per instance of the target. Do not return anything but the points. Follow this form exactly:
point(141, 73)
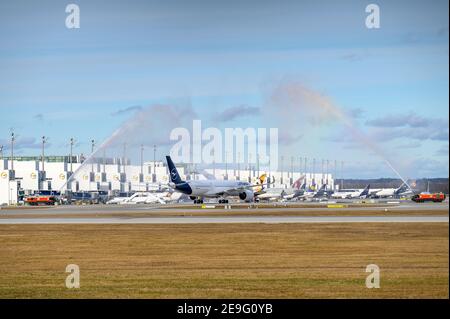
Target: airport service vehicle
point(428, 197)
point(198, 190)
point(37, 200)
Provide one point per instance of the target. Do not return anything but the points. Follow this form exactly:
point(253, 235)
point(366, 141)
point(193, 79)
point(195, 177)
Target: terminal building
point(30, 175)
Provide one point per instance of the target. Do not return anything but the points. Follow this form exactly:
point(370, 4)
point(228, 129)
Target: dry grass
point(225, 260)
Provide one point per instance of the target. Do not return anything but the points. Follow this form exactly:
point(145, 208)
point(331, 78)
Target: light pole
point(13, 139)
point(142, 159)
point(306, 160)
point(239, 165)
point(300, 165)
point(214, 163)
point(104, 160)
point(323, 162)
point(92, 154)
point(335, 174)
point(72, 141)
point(249, 161)
point(44, 140)
point(226, 165)
point(282, 167)
point(292, 169)
point(314, 172)
point(154, 164)
point(257, 165)
point(124, 157)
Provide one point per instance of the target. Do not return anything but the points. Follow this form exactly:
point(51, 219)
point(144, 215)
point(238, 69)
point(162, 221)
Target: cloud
point(233, 113)
point(399, 120)
point(39, 117)
point(127, 110)
point(442, 32)
point(354, 113)
point(297, 110)
point(287, 138)
point(152, 125)
point(352, 57)
point(410, 126)
point(413, 144)
point(23, 143)
point(427, 167)
point(442, 151)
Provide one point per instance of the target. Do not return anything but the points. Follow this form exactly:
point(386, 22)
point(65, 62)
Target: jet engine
point(246, 195)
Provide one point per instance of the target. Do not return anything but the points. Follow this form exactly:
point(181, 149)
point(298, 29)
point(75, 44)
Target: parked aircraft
point(297, 189)
point(403, 190)
point(352, 193)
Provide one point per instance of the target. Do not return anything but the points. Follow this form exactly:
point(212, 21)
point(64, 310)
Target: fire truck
point(429, 197)
point(43, 198)
point(40, 200)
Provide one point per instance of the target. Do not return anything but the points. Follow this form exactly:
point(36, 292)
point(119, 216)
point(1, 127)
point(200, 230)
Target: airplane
point(353, 193)
point(403, 190)
point(314, 195)
point(321, 193)
point(198, 190)
point(297, 189)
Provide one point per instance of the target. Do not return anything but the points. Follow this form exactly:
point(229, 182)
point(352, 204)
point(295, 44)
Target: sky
point(336, 89)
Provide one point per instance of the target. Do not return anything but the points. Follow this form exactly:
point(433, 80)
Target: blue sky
point(230, 57)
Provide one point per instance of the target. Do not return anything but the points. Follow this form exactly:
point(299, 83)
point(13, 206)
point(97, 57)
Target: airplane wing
point(243, 188)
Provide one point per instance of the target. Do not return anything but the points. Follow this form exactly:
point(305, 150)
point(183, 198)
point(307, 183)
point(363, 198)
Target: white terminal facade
point(29, 175)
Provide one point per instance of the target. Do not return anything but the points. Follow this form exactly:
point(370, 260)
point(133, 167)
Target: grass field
point(225, 260)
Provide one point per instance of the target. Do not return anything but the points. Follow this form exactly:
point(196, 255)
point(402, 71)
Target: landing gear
point(223, 201)
point(198, 201)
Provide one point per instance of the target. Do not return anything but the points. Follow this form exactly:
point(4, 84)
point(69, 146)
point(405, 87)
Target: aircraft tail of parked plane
point(321, 192)
point(260, 184)
point(298, 183)
point(366, 192)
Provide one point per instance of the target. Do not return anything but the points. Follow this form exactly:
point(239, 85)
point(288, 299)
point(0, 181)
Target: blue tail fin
point(174, 176)
point(365, 192)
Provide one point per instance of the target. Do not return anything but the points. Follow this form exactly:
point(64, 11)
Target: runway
point(230, 220)
point(185, 208)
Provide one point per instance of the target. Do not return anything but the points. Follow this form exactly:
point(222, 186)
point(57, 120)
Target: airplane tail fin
point(365, 192)
point(174, 176)
point(262, 179)
point(298, 183)
point(321, 191)
point(260, 182)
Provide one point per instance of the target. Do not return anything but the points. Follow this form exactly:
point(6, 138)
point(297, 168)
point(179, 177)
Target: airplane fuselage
point(211, 188)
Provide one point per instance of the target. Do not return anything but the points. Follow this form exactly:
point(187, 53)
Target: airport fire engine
point(41, 200)
point(429, 197)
